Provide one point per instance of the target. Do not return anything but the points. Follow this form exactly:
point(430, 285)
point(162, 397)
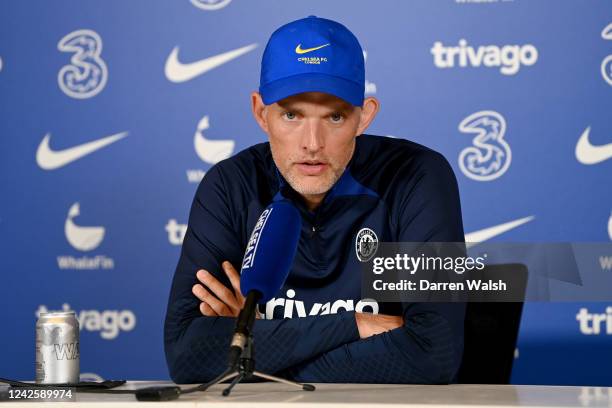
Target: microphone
point(265, 266)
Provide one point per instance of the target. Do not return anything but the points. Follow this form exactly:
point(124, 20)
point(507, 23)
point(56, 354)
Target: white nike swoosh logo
point(49, 159)
point(586, 153)
point(476, 237)
point(176, 71)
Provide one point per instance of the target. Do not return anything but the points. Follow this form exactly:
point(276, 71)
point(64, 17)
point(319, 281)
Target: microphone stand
point(241, 359)
point(245, 370)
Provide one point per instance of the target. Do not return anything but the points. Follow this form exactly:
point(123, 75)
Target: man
point(349, 188)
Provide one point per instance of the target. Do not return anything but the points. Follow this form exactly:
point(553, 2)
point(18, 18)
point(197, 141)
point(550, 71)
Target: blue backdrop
point(112, 111)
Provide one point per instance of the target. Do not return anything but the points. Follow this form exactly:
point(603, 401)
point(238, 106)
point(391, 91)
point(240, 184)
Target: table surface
point(357, 395)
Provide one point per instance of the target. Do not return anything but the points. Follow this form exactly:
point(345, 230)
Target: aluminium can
point(57, 348)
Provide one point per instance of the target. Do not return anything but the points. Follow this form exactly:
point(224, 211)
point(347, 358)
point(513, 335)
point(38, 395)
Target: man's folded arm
point(426, 350)
point(197, 346)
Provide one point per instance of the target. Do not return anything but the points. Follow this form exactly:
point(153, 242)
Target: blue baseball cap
point(312, 55)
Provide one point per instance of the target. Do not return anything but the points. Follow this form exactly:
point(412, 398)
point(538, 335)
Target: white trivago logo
point(177, 71)
point(176, 232)
point(49, 159)
point(606, 64)
point(210, 5)
point(489, 156)
point(87, 74)
point(595, 323)
point(587, 153)
point(292, 306)
point(508, 57)
point(208, 150)
point(109, 323)
point(83, 238)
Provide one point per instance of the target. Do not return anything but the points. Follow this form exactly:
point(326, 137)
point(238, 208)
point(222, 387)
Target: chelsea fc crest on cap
point(366, 244)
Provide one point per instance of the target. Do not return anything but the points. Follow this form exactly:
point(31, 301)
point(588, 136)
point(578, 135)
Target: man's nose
point(313, 138)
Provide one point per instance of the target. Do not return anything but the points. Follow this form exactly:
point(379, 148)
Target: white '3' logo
point(606, 64)
point(211, 151)
point(86, 75)
point(82, 238)
point(489, 157)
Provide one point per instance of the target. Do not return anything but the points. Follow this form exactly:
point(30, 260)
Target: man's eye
point(336, 117)
point(289, 115)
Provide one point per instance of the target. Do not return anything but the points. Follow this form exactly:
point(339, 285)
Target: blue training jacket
point(399, 189)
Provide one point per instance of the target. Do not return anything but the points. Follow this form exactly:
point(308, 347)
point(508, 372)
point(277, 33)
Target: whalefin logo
point(473, 238)
point(587, 153)
point(177, 71)
point(249, 254)
point(299, 50)
point(489, 156)
point(48, 159)
point(82, 238)
point(210, 5)
point(211, 151)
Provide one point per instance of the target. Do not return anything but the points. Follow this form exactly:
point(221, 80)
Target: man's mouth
point(312, 167)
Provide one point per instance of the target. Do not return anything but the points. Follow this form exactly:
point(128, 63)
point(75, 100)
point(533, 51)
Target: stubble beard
point(302, 184)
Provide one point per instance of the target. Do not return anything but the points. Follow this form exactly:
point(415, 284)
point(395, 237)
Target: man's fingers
point(198, 290)
point(220, 308)
point(207, 310)
point(233, 276)
point(220, 290)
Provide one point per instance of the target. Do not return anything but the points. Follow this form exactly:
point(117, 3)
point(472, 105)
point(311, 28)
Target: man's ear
point(259, 111)
point(370, 108)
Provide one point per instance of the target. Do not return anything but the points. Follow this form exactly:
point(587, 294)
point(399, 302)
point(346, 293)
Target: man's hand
point(372, 324)
point(217, 299)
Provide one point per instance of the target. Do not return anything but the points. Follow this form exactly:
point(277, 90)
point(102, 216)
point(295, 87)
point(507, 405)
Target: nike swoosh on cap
point(177, 71)
point(49, 159)
point(475, 237)
point(586, 153)
point(299, 50)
